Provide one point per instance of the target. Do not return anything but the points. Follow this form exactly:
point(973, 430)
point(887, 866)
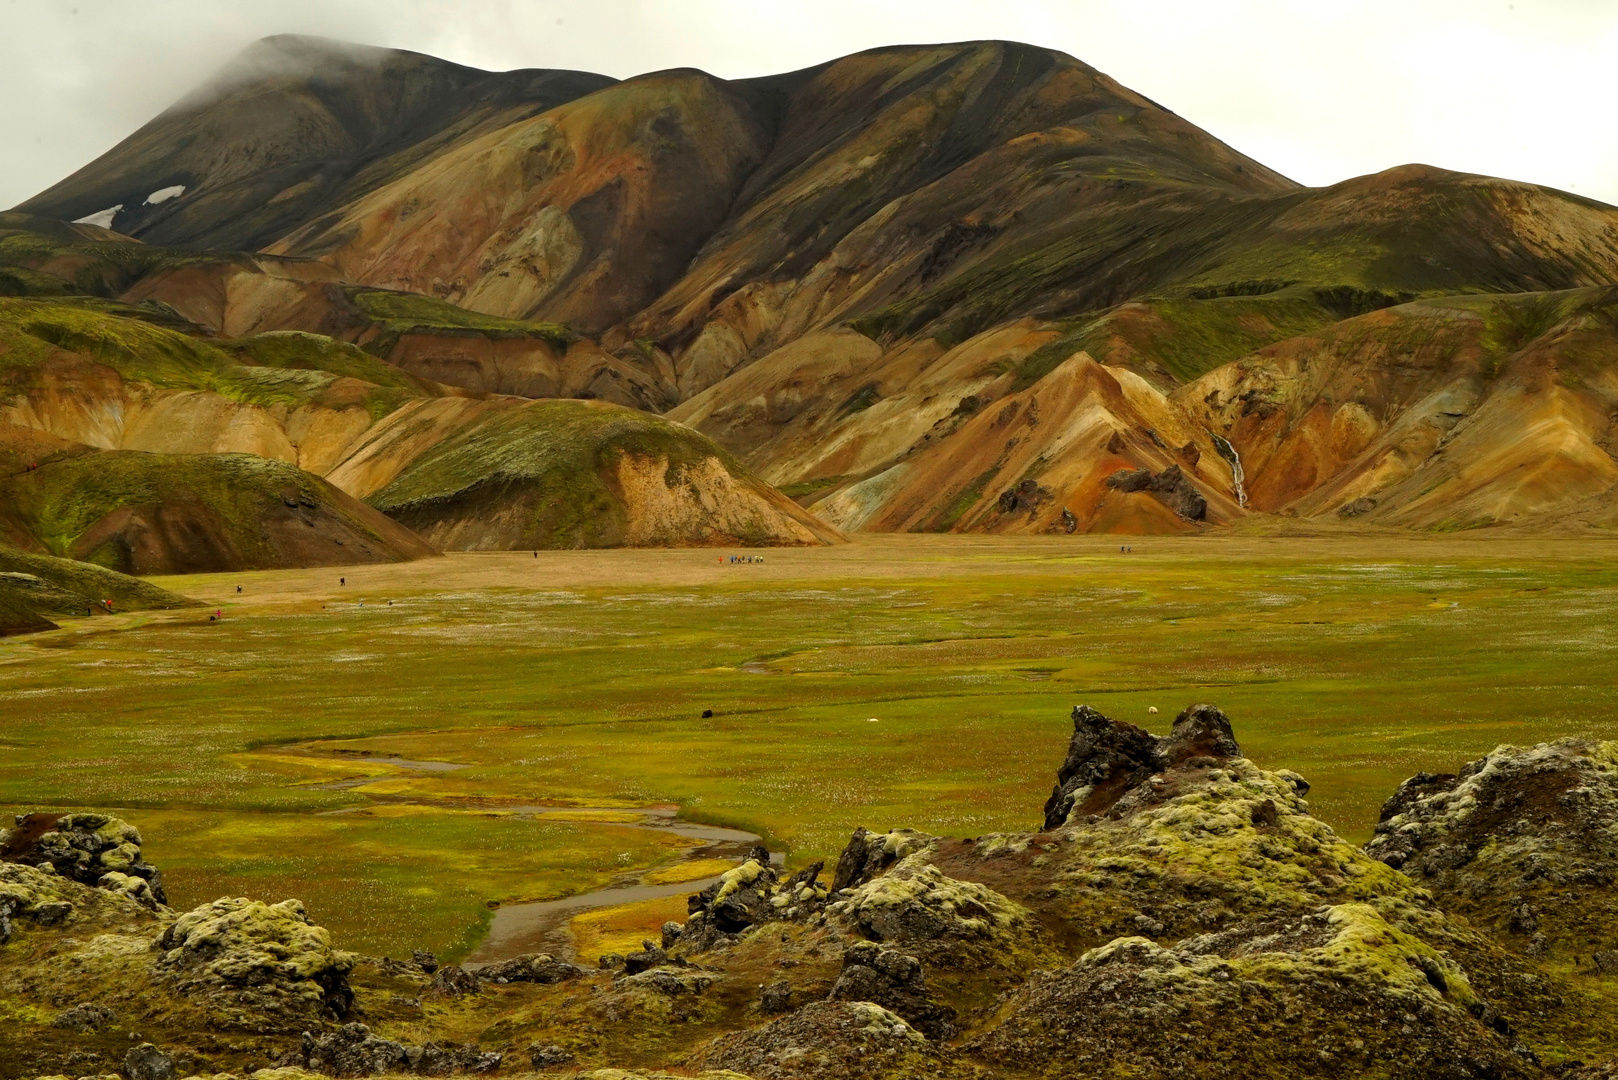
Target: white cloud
point(1318, 91)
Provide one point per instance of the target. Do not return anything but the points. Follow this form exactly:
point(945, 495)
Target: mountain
point(965, 287)
point(130, 443)
point(291, 128)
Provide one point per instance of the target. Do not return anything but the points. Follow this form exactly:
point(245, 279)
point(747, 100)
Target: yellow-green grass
point(623, 929)
point(580, 678)
point(389, 879)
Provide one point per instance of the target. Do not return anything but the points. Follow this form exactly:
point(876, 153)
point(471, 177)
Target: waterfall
point(1228, 452)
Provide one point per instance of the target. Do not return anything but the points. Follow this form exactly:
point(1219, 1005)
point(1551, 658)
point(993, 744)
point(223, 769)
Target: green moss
point(963, 502)
point(559, 456)
point(803, 488)
point(145, 344)
point(404, 312)
point(62, 500)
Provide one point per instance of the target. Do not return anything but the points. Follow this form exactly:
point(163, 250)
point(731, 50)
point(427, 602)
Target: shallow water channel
point(519, 929)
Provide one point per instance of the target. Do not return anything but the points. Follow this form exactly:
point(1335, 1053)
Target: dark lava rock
point(549, 1056)
point(1170, 487)
point(739, 899)
point(424, 960)
point(352, 1050)
point(533, 968)
point(83, 847)
point(649, 957)
point(776, 997)
point(1107, 758)
point(867, 855)
point(671, 933)
point(831, 1040)
point(85, 1018)
point(893, 980)
point(454, 981)
point(147, 1062)
point(1524, 841)
point(1028, 495)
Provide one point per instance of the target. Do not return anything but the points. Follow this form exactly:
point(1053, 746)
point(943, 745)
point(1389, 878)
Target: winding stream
point(542, 926)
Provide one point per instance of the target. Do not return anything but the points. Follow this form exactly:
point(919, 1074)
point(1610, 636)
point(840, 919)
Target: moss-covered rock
point(268, 958)
point(1338, 992)
point(832, 1040)
point(94, 849)
point(1523, 841)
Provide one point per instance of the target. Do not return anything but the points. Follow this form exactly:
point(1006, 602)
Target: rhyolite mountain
point(965, 287)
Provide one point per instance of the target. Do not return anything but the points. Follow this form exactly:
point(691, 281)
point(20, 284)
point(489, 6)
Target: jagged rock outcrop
point(894, 980)
point(352, 1050)
point(1171, 486)
point(95, 849)
point(746, 896)
point(1523, 840)
point(831, 1040)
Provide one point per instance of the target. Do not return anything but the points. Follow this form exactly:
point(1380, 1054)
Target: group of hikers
point(743, 558)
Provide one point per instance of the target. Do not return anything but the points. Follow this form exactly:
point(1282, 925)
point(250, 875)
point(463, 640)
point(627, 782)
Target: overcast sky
point(1320, 91)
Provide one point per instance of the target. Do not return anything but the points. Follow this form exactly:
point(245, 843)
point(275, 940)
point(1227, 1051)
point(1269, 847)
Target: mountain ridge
point(832, 272)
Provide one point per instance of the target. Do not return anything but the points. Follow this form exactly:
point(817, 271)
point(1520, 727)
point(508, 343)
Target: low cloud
point(1319, 92)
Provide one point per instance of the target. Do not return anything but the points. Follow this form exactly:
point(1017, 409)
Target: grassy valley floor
point(302, 744)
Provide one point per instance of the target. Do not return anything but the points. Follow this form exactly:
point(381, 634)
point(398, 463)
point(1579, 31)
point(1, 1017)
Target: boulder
point(454, 981)
point(893, 980)
point(84, 1018)
point(549, 1056)
point(85, 847)
point(1523, 840)
point(147, 1062)
point(832, 1040)
point(268, 958)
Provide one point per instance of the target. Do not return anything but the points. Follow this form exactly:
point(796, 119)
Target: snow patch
point(163, 195)
point(102, 218)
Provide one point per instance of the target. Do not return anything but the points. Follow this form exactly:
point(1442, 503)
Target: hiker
point(342, 581)
point(238, 588)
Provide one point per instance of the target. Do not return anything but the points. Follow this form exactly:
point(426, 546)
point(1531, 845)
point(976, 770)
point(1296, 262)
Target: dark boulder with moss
point(1523, 841)
point(94, 849)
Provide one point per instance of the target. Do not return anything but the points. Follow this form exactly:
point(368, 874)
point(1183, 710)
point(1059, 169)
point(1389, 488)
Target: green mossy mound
point(141, 513)
point(552, 474)
point(37, 589)
point(148, 345)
